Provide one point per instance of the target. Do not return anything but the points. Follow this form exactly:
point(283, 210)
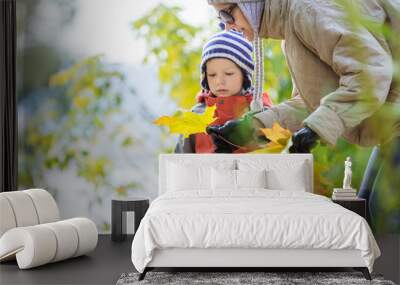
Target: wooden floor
point(103, 266)
point(110, 259)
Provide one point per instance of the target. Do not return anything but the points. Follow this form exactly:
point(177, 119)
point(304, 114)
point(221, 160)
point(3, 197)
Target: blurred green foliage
point(65, 130)
point(174, 46)
point(277, 81)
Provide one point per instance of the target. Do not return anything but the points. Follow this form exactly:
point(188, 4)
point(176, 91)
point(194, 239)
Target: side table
point(357, 205)
point(120, 205)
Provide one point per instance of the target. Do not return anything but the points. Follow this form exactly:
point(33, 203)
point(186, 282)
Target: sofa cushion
point(27, 208)
point(7, 220)
point(45, 205)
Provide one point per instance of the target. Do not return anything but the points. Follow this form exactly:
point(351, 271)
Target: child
point(226, 71)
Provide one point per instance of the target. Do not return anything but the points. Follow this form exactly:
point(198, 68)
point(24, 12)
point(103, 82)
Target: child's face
point(224, 77)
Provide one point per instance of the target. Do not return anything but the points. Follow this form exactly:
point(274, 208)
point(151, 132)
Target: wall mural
point(99, 100)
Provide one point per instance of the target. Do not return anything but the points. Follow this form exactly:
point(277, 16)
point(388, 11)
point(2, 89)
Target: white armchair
point(31, 230)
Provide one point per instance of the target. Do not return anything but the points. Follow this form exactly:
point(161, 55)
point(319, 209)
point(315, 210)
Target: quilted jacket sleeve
point(289, 114)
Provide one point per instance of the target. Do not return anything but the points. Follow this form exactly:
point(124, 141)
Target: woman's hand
point(303, 141)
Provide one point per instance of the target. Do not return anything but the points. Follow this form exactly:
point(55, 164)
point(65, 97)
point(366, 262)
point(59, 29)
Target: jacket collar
point(274, 19)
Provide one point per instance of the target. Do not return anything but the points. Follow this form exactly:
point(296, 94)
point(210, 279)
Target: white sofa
point(32, 233)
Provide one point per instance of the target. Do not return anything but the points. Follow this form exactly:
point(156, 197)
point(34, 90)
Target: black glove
point(222, 146)
point(303, 141)
point(233, 134)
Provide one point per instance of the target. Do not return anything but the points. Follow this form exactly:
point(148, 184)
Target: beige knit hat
point(253, 10)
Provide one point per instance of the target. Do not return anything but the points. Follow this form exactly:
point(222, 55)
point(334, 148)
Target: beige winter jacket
point(333, 68)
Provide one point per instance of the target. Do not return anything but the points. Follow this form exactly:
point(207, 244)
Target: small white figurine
point(347, 174)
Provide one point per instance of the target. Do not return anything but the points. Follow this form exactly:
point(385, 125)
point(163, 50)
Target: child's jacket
point(227, 108)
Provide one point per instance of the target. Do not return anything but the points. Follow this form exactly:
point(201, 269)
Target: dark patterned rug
point(243, 278)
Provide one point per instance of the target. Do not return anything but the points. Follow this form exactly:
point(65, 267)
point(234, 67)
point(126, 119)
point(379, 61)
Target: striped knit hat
point(231, 45)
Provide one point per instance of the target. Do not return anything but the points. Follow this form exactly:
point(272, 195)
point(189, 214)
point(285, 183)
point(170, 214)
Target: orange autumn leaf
point(277, 134)
point(187, 122)
point(278, 139)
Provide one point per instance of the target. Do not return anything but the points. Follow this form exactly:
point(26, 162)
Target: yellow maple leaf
point(187, 122)
point(278, 139)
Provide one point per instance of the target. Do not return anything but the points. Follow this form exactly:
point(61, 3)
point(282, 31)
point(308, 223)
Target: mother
point(341, 78)
point(343, 81)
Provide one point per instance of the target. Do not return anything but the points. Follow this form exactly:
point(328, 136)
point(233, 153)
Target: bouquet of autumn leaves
point(187, 123)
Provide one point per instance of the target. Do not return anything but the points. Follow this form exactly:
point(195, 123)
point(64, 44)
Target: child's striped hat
point(231, 45)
